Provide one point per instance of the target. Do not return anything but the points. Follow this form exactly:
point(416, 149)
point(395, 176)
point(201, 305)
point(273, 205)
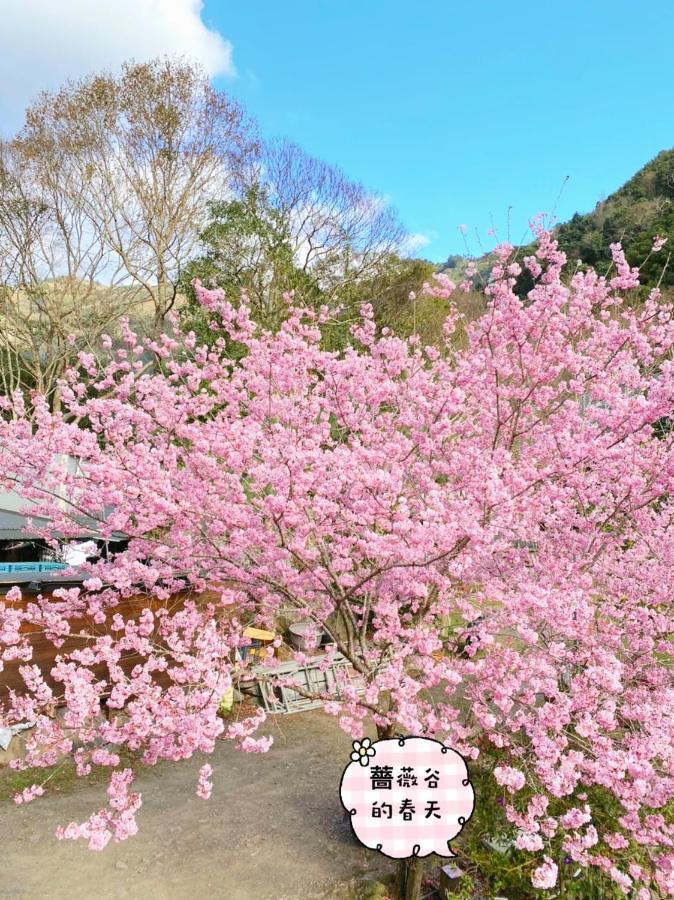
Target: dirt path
point(273, 830)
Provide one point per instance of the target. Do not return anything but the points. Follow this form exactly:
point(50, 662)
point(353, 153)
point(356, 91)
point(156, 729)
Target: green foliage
point(637, 212)
point(634, 215)
point(59, 778)
point(467, 890)
point(389, 294)
point(509, 873)
point(248, 248)
point(373, 891)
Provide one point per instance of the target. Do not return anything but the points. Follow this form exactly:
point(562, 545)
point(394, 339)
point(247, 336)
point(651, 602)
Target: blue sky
point(457, 111)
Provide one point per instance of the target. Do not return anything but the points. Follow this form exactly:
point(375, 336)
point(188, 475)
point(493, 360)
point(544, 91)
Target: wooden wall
point(44, 652)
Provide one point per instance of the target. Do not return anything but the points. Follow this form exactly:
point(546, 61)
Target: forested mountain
point(638, 211)
point(634, 214)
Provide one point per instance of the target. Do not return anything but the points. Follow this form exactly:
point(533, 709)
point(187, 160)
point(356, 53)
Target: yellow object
point(257, 634)
point(226, 702)
point(260, 639)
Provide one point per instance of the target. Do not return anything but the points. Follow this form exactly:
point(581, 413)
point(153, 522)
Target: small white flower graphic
point(363, 751)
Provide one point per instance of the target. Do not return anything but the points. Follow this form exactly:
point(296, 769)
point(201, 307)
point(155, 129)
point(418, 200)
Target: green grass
point(61, 778)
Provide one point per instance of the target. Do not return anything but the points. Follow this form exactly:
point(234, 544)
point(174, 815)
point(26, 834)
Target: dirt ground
point(273, 830)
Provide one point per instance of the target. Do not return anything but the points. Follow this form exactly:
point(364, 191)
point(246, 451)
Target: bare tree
point(340, 231)
point(52, 302)
point(140, 155)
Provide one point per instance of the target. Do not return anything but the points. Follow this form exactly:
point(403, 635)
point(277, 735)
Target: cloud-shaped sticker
point(411, 797)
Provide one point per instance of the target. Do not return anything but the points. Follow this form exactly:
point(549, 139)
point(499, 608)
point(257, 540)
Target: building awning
point(13, 525)
point(13, 528)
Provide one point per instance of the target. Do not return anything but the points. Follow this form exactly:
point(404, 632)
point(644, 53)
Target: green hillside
point(638, 211)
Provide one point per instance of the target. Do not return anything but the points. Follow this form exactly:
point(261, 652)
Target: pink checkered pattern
point(396, 837)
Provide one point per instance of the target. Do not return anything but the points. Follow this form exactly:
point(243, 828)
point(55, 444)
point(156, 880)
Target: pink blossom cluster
point(204, 784)
point(545, 876)
point(116, 822)
point(510, 777)
point(485, 523)
point(28, 794)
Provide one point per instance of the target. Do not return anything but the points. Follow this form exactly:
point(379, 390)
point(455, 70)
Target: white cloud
point(414, 242)
point(45, 42)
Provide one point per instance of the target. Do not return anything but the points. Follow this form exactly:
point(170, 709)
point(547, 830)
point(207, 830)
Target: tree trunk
point(411, 870)
point(55, 400)
point(384, 732)
point(159, 319)
point(410, 873)
point(161, 305)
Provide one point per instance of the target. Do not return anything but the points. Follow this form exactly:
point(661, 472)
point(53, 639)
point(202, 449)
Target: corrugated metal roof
point(12, 525)
point(15, 509)
point(13, 528)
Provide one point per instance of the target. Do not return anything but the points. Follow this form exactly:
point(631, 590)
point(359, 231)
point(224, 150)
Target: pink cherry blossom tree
point(484, 533)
